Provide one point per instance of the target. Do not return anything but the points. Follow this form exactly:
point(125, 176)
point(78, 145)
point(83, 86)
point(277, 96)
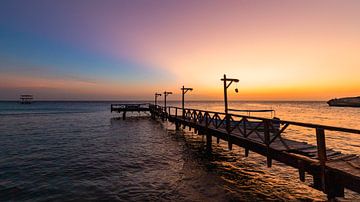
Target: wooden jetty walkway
point(26, 99)
point(124, 108)
point(332, 170)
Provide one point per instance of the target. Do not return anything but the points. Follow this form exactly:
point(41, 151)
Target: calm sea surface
point(79, 151)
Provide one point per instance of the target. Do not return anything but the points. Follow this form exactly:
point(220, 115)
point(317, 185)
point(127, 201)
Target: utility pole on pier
point(184, 91)
point(156, 95)
point(226, 86)
point(165, 95)
point(227, 117)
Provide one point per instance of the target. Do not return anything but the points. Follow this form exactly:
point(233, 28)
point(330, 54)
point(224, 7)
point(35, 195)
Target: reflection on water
point(79, 151)
point(248, 179)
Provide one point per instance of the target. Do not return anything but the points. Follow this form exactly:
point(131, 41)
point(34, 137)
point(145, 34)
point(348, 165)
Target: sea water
point(72, 151)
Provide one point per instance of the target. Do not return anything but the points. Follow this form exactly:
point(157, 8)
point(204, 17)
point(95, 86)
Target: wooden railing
point(244, 125)
point(264, 135)
point(129, 106)
point(268, 130)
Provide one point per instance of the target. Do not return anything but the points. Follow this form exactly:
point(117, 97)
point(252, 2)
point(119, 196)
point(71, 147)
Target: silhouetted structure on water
point(26, 99)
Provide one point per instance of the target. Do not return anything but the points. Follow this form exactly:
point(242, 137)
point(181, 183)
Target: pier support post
point(267, 142)
point(208, 142)
point(317, 182)
point(124, 115)
point(268, 161)
point(177, 126)
point(246, 152)
point(152, 115)
point(229, 142)
point(321, 147)
point(334, 186)
point(301, 170)
point(217, 140)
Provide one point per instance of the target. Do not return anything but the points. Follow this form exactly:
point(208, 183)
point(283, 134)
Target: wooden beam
point(321, 147)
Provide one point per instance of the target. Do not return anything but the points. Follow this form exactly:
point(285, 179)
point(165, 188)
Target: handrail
point(252, 110)
point(125, 104)
point(307, 125)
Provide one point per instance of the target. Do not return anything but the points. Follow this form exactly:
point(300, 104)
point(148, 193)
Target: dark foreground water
point(79, 151)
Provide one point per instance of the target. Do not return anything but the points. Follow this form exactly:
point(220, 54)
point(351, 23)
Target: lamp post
point(165, 95)
point(156, 95)
point(226, 86)
point(184, 91)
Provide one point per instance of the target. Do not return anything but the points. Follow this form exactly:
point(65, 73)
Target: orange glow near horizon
point(279, 50)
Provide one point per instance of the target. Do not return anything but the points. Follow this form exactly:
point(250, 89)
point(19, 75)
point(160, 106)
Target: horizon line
point(145, 100)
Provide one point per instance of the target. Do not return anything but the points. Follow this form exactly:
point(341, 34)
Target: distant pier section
point(26, 99)
point(124, 108)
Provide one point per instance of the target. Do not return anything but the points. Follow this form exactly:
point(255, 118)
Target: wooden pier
point(26, 99)
point(332, 170)
point(124, 108)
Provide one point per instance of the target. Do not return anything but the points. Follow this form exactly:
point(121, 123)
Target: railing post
point(195, 116)
point(267, 142)
point(321, 147)
point(227, 116)
point(124, 115)
point(163, 113)
point(245, 135)
point(244, 123)
point(227, 119)
point(206, 119)
point(208, 142)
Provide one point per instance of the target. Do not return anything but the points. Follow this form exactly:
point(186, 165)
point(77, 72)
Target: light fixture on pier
point(226, 86)
point(157, 95)
point(166, 93)
point(227, 117)
point(184, 91)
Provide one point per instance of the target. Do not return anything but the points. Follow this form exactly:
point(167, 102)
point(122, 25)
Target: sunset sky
point(115, 50)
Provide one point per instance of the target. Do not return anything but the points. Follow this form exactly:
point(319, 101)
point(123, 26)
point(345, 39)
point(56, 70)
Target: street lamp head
point(236, 90)
point(183, 88)
point(231, 80)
